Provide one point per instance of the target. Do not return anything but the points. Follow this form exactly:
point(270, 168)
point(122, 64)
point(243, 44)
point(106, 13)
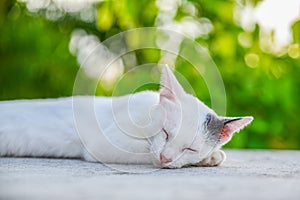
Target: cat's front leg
point(215, 159)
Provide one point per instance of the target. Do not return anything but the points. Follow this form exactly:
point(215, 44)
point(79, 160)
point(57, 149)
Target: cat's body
point(46, 128)
point(38, 128)
point(168, 128)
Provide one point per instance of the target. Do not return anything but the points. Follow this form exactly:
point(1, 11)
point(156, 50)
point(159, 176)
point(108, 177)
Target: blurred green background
point(260, 80)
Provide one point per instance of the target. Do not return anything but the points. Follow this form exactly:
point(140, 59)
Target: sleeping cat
point(168, 129)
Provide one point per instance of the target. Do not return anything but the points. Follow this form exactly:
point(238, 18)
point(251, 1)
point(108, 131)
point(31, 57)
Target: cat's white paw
point(215, 159)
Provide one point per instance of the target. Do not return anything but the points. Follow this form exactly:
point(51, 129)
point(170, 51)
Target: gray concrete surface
point(245, 175)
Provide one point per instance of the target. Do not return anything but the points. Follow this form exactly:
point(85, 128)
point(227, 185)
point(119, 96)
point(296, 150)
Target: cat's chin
point(158, 164)
point(173, 165)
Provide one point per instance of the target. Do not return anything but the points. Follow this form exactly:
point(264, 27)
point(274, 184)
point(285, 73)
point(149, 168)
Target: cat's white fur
point(169, 128)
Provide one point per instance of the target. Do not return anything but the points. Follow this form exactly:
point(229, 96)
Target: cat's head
point(191, 131)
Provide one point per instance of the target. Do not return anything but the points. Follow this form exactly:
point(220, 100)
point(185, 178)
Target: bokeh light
point(255, 44)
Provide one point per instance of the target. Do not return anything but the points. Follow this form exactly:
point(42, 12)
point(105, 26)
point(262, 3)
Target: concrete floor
point(245, 175)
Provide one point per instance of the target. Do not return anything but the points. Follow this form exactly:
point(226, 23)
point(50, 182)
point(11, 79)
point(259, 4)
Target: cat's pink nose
point(164, 159)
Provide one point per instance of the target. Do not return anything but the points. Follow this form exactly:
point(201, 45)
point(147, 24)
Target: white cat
point(169, 128)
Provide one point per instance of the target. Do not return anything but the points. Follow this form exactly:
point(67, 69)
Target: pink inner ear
point(170, 87)
point(232, 126)
point(225, 133)
point(166, 93)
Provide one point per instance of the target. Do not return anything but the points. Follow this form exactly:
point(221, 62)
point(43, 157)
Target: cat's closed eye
point(189, 149)
point(166, 134)
point(208, 119)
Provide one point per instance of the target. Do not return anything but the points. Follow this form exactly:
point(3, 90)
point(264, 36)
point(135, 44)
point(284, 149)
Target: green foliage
point(36, 63)
point(35, 60)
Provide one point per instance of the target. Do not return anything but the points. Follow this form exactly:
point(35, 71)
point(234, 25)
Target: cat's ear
point(233, 125)
point(170, 88)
